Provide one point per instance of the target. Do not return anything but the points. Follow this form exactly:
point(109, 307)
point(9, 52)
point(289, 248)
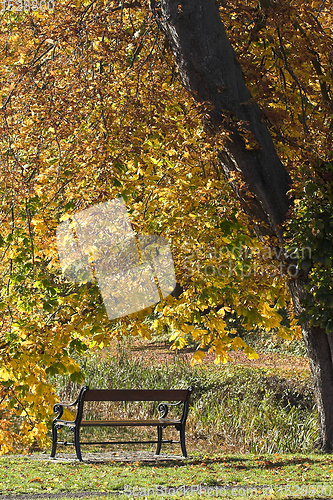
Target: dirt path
point(159, 353)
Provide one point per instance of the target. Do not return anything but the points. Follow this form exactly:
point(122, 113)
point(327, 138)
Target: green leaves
point(312, 225)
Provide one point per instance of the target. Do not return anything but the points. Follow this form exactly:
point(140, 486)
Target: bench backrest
point(163, 395)
point(135, 395)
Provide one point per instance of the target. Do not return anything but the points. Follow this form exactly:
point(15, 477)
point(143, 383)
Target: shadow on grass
point(160, 462)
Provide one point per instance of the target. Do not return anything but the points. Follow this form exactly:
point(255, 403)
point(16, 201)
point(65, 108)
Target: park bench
point(165, 397)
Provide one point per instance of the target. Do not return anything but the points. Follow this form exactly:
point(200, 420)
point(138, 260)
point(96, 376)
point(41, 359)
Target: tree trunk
point(319, 349)
point(209, 70)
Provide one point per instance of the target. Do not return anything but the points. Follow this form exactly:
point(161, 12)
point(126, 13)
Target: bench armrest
point(163, 408)
point(58, 408)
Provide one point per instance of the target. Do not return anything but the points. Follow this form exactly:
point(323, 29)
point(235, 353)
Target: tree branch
point(211, 73)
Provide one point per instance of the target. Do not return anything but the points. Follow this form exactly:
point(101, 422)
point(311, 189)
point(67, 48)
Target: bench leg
point(54, 440)
point(77, 442)
point(182, 441)
point(159, 439)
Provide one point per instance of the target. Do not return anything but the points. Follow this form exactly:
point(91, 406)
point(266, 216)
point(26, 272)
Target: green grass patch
point(29, 476)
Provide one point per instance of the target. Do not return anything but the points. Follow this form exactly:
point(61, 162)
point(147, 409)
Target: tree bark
point(210, 71)
point(319, 346)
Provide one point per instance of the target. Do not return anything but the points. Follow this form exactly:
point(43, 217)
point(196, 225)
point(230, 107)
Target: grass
point(24, 475)
point(266, 342)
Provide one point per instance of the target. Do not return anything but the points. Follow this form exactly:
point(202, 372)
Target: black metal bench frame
point(86, 394)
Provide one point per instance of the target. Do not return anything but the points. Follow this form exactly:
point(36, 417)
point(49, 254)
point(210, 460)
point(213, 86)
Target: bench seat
point(121, 423)
point(124, 423)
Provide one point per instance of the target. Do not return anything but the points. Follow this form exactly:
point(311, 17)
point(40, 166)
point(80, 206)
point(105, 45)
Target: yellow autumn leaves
point(87, 123)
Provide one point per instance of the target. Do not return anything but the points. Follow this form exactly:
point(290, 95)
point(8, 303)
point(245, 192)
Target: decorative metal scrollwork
point(59, 409)
point(163, 409)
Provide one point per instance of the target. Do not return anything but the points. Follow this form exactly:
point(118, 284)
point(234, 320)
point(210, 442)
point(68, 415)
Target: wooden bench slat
point(127, 423)
point(135, 395)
